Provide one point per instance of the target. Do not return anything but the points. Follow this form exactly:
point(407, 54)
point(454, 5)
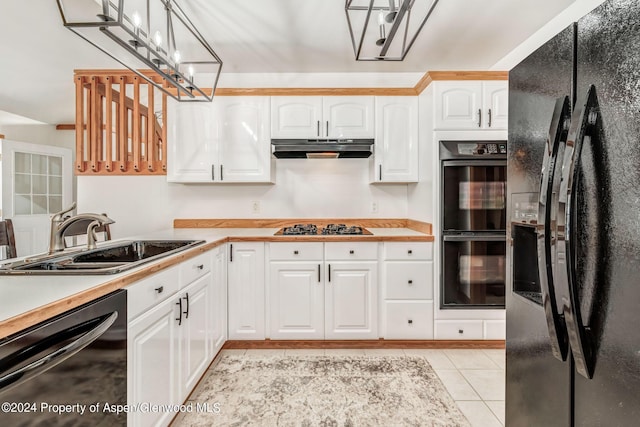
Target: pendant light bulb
point(383, 36)
point(137, 20)
point(177, 57)
point(157, 39)
point(190, 71)
point(381, 18)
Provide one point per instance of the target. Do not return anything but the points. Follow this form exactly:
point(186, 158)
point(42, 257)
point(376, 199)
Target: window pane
point(55, 204)
point(40, 205)
point(39, 164)
point(22, 205)
point(23, 162)
point(55, 185)
point(55, 166)
point(39, 183)
point(23, 183)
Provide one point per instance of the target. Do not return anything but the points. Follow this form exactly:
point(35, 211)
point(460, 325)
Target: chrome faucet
point(60, 223)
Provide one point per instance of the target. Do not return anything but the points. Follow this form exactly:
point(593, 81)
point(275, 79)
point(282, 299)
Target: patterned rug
point(323, 391)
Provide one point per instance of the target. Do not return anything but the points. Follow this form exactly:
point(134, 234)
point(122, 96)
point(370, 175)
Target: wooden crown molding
point(424, 82)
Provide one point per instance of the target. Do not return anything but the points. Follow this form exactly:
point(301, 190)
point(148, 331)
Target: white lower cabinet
point(219, 300)
point(245, 283)
point(407, 290)
point(195, 329)
point(459, 329)
point(152, 364)
point(169, 337)
point(316, 294)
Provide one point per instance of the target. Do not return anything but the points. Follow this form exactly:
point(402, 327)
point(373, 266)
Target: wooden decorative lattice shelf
point(117, 131)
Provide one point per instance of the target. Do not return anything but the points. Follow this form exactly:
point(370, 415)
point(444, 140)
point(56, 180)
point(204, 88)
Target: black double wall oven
point(473, 223)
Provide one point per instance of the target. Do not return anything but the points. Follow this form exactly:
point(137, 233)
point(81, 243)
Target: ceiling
point(257, 36)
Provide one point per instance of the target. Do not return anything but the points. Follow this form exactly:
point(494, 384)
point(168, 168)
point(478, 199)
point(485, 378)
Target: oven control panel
point(482, 149)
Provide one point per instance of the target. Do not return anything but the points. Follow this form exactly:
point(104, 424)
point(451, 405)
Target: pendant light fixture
point(149, 34)
point(385, 30)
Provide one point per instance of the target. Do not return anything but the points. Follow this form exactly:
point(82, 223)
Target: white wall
point(40, 134)
point(326, 188)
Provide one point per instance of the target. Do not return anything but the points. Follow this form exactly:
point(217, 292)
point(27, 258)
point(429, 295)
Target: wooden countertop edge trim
point(37, 315)
point(322, 238)
point(286, 222)
point(362, 344)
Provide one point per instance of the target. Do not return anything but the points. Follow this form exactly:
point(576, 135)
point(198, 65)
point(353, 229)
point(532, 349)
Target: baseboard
point(367, 344)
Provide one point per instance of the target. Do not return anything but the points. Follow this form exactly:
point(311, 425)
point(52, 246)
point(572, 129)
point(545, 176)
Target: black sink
point(109, 259)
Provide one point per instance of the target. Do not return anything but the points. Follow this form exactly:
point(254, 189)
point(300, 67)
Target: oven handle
point(91, 330)
point(474, 237)
point(475, 162)
point(555, 321)
point(581, 338)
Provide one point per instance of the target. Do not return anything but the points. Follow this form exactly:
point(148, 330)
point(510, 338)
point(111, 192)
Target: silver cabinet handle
point(489, 117)
point(479, 117)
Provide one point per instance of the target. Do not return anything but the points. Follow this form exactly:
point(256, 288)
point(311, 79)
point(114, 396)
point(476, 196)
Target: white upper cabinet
point(224, 141)
point(471, 105)
point(308, 117)
point(396, 147)
point(192, 149)
point(244, 149)
point(495, 101)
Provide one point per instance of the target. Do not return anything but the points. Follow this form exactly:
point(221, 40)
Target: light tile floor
point(474, 378)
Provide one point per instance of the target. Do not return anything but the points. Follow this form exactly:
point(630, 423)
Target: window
point(37, 184)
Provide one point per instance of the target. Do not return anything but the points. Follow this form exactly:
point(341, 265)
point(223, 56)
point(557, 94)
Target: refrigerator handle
point(555, 321)
point(581, 339)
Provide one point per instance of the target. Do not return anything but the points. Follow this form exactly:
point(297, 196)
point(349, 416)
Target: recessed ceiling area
point(257, 36)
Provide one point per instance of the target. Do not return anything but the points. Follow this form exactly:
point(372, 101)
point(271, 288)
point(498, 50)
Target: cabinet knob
point(351, 252)
point(410, 322)
point(409, 251)
point(410, 282)
point(160, 289)
point(295, 252)
point(200, 266)
point(461, 331)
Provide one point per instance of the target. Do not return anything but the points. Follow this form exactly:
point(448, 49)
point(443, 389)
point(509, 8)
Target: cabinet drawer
point(409, 280)
point(194, 268)
point(495, 329)
point(408, 251)
point(351, 251)
point(293, 251)
point(458, 330)
point(408, 320)
point(148, 292)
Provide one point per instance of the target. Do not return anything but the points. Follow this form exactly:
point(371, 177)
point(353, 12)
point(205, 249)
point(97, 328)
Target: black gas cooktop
point(329, 229)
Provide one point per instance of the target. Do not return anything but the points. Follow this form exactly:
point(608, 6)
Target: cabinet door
point(219, 300)
point(245, 143)
point(458, 105)
point(246, 291)
point(495, 99)
point(296, 117)
point(396, 147)
point(192, 151)
point(297, 300)
point(194, 331)
point(347, 117)
point(351, 300)
point(152, 367)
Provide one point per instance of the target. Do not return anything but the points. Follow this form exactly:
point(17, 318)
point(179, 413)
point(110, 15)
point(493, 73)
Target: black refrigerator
point(573, 232)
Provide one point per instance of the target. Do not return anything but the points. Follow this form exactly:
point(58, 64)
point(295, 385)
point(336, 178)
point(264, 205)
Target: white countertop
point(20, 294)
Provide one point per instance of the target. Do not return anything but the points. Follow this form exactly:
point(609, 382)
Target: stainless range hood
point(322, 148)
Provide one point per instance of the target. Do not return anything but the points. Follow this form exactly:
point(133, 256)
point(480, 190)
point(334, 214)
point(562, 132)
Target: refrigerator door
point(608, 58)
point(538, 388)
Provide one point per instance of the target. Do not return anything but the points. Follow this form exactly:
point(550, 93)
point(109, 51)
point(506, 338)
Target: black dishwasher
point(70, 370)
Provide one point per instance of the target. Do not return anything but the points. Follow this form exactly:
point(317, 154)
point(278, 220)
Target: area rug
point(323, 391)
